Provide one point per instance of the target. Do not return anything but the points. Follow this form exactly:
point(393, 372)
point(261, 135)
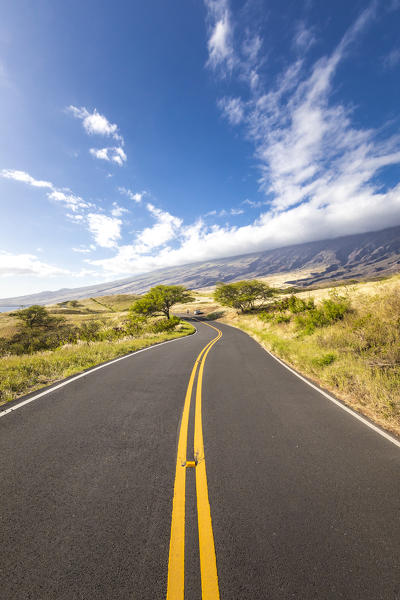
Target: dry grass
point(357, 358)
point(23, 374)
point(108, 309)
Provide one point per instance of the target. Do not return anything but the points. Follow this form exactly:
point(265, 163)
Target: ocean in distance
point(8, 308)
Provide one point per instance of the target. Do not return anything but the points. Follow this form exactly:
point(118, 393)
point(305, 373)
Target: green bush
point(22, 374)
point(34, 339)
point(298, 305)
point(136, 324)
point(266, 316)
point(353, 348)
point(162, 325)
point(90, 331)
point(281, 319)
point(330, 311)
point(217, 314)
point(324, 360)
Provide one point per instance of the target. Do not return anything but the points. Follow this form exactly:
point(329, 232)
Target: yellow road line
point(208, 561)
point(176, 562)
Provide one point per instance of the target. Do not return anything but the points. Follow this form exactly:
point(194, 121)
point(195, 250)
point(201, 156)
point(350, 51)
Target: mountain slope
point(350, 257)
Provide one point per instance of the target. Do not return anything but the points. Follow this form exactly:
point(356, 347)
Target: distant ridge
point(359, 256)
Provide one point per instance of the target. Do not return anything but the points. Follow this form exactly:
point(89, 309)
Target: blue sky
point(138, 135)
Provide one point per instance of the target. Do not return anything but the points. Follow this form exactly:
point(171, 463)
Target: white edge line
point(331, 398)
point(111, 362)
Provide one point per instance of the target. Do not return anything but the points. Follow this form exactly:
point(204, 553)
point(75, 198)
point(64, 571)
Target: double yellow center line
point(208, 563)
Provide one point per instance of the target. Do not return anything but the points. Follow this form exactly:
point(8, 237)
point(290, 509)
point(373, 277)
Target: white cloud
point(224, 213)
point(220, 43)
point(304, 37)
point(84, 249)
point(63, 196)
point(105, 230)
point(272, 230)
point(136, 197)
point(75, 218)
point(318, 170)
point(25, 178)
point(232, 109)
point(251, 48)
point(253, 203)
point(392, 59)
point(69, 200)
point(225, 54)
point(117, 210)
point(26, 264)
point(114, 154)
point(305, 143)
point(94, 123)
point(101, 153)
point(165, 229)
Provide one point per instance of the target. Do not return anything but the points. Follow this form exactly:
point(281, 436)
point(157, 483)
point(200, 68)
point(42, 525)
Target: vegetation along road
point(200, 468)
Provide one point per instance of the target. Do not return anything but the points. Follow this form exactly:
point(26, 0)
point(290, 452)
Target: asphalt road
point(304, 498)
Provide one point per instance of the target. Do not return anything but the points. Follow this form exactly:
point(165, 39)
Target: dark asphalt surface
point(304, 498)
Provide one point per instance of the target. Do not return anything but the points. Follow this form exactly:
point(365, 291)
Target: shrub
point(266, 316)
point(217, 314)
point(22, 374)
point(330, 310)
point(281, 318)
point(353, 349)
point(324, 360)
point(89, 331)
point(162, 325)
point(297, 305)
point(136, 324)
point(29, 339)
point(335, 307)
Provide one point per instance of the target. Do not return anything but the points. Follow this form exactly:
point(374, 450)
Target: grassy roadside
point(109, 310)
point(26, 373)
point(356, 358)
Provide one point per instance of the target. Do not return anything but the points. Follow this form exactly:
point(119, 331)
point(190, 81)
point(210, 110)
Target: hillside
point(361, 256)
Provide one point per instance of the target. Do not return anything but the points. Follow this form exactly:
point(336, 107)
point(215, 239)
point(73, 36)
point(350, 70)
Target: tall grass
point(22, 374)
point(356, 356)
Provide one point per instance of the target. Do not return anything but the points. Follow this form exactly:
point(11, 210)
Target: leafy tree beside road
point(243, 295)
point(160, 299)
point(37, 330)
point(34, 317)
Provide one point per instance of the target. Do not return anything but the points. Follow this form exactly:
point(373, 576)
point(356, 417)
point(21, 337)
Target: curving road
point(303, 497)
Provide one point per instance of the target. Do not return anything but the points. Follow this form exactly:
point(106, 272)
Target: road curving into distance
point(199, 469)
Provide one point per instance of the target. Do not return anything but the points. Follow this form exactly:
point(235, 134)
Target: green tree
point(243, 295)
point(35, 317)
point(39, 330)
point(160, 299)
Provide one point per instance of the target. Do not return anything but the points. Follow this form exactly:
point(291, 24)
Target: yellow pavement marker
point(208, 561)
point(176, 563)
